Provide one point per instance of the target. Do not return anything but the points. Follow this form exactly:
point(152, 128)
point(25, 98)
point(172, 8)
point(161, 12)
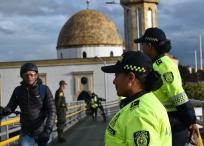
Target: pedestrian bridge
point(81, 126)
point(80, 129)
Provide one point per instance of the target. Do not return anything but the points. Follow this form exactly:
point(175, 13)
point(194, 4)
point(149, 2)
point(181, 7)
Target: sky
point(29, 29)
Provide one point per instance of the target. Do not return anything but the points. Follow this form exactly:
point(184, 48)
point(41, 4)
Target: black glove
point(43, 137)
point(4, 111)
point(1, 112)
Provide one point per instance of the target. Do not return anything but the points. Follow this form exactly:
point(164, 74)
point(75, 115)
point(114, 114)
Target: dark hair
point(151, 81)
point(163, 46)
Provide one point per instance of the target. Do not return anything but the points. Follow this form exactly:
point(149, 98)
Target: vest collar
point(127, 100)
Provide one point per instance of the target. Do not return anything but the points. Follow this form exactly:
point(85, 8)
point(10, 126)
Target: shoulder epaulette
point(159, 61)
point(134, 104)
point(111, 130)
point(61, 93)
point(115, 118)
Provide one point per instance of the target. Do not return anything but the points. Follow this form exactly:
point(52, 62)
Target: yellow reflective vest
point(171, 93)
point(94, 102)
point(142, 122)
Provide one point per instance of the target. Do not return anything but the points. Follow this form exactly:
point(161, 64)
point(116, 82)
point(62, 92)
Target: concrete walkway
point(85, 133)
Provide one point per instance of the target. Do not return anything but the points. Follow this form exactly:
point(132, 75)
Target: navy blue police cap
point(152, 35)
point(130, 61)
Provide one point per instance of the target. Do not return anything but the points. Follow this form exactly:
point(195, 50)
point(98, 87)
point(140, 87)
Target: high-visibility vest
point(142, 122)
point(94, 102)
point(171, 93)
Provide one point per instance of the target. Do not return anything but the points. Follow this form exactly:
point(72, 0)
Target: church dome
point(89, 28)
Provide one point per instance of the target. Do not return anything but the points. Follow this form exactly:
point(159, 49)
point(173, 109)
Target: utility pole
point(196, 63)
point(201, 53)
point(104, 77)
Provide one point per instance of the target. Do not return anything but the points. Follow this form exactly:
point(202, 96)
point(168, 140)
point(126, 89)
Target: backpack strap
point(42, 89)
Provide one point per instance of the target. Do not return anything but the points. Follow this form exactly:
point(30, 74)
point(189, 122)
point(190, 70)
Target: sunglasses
point(29, 74)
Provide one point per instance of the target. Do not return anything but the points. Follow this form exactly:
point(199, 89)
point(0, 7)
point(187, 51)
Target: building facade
point(138, 16)
point(70, 70)
point(87, 41)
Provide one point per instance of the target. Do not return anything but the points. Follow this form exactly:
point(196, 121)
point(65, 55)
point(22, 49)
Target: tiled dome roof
point(88, 28)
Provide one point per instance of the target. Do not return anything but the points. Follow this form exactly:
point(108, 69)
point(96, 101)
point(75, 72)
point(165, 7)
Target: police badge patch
point(61, 94)
point(169, 77)
point(141, 138)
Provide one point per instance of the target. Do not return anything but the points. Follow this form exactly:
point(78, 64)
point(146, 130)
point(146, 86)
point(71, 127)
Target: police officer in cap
point(171, 93)
point(143, 120)
point(61, 107)
point(95, 104)
point(37, 107)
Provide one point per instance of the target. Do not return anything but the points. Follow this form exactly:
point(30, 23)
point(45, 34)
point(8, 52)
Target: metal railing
point(76, 111)
point(200, 117)
point(113, 107)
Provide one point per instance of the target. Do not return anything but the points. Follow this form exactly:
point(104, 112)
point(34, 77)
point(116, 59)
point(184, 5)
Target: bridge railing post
point(7, 129)
point(202, 119)
point(202, 113)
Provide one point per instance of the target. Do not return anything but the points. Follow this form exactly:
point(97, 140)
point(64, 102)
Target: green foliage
point(194, 90)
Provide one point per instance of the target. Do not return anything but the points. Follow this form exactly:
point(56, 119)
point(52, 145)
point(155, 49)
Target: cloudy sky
point(29, 29)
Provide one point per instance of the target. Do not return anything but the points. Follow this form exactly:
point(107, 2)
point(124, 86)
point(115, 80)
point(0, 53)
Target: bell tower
point(138, 16)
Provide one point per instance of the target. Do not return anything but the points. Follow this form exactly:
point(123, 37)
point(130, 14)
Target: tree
point(194, 90)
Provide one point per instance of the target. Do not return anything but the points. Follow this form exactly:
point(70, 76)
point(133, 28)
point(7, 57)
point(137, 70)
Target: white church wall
point(10, 78)
point(55, 74)
point(100, 51)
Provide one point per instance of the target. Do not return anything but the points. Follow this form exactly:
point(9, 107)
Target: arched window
point(84, 80)
point(149, 18)
point(111, 54)
point(84, 55)
point(139, 25)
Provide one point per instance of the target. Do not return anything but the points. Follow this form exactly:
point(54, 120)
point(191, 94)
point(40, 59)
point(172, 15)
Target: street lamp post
point(105, 82)
point(127, 23)
point(113, 2)
point(105, 79)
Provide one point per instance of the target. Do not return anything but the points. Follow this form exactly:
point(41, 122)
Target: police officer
point(37, 107)
point(95, 104)
point(61, 107)
point(143, 120)
point(171, 94)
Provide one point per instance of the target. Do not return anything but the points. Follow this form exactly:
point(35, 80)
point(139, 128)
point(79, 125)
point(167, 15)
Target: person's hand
point(194, 134)
point(1, 112)
point(44, 137)
point(4, 111)
point(17, 112)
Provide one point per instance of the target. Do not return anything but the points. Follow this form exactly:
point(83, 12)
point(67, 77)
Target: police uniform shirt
point(60, 99)
point(141, 122)
point(171, 93)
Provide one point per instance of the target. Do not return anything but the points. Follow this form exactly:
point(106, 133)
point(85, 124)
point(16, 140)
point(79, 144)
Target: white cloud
point(30, 27)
